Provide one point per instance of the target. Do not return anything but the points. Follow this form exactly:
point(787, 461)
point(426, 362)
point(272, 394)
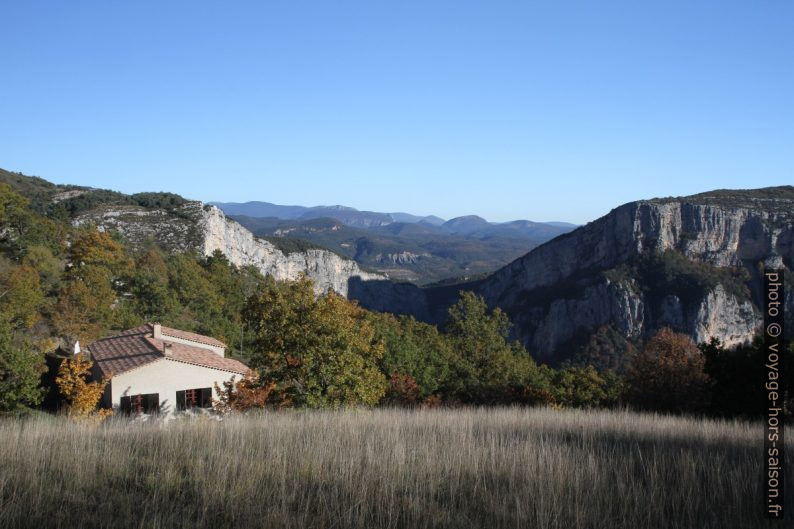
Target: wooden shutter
point(125, 405)
point(151, 403)
point(206, 398)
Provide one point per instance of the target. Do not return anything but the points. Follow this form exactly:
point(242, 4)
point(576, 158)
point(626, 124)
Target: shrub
point(245, 395)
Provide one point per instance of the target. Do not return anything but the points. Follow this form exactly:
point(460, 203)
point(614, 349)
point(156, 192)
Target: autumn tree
point(93, 248)
point(668, 375)
point(244, 395)
point(97, 263)
point(84, 309)
point(319, 351)
point(402, 391)
point(82, 396)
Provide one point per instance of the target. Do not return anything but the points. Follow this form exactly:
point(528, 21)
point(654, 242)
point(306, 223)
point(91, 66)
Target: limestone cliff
point(204, 228)
point(618, 271)
point(691, 263)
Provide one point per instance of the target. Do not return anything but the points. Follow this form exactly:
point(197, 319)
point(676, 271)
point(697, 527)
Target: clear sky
point(547, 110)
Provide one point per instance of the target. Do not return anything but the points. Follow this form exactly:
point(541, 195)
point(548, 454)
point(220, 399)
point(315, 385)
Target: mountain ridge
point(181, 225)
point(351, 216)
point(690, 263)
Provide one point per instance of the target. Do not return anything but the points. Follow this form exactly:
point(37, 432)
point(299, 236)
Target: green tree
point(47, 264)
point(15, 219)
point(584, 387)
point(20, 370)
point(320, 352)
point(21, 227)
point(487, 367)
point(200, 306)
point(734, 374)
point(152, 299)
point(414, 349)
point(20, 295)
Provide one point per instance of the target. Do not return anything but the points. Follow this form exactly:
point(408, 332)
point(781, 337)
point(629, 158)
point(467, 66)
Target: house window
point(194, 398)
point(144, 403)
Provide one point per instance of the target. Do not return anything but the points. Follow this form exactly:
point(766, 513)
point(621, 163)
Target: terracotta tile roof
point(136, 347)
point(195, 355)
point(125, 351)
point(191, 336)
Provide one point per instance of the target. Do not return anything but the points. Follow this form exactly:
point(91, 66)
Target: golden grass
point(494, 468)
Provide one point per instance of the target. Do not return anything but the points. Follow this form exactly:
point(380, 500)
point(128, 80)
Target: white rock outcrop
point(205, 228)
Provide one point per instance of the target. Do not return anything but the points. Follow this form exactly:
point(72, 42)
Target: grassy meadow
point(494, 468)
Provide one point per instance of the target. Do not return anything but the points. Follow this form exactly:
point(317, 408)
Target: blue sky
point(539, 110)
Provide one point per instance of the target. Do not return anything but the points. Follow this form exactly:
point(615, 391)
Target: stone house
point(157, 369)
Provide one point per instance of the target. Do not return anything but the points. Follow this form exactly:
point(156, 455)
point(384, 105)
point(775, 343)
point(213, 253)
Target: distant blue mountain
point(470, 225)
point(261, 209)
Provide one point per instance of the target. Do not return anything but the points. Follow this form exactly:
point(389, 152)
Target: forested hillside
point(417, 252)
point(60, 283)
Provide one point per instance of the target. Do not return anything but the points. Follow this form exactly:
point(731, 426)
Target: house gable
point(145, 364)
point(166, 377)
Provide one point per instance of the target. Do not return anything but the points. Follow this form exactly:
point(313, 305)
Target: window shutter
point(125, 405)
point(206, 397)
point(152, 403)
point(180, 400)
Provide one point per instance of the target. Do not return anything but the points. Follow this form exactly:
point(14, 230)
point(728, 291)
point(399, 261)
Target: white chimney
point(77, 347)
point(157, 331)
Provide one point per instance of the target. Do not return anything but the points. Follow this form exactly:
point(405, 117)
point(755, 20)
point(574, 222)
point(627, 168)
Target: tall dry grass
point(386, 468)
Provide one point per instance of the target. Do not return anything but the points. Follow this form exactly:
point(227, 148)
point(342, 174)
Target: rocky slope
point(205, 228)
point(691, 263)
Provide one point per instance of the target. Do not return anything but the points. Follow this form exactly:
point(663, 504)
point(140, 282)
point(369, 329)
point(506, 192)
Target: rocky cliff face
point(720, 235)
point(690, 263)
point(205, 229)
point(723, 239)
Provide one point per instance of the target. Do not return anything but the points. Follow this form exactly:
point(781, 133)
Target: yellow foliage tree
point(82, 396)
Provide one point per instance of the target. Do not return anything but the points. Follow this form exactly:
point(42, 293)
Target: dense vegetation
point(59, 284)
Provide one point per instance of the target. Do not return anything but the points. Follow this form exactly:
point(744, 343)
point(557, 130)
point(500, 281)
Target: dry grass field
point(494, 468)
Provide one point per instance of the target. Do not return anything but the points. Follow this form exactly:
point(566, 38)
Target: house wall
point(166, 377)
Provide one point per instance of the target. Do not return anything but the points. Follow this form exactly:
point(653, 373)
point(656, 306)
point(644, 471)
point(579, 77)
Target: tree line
point(60, 283)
